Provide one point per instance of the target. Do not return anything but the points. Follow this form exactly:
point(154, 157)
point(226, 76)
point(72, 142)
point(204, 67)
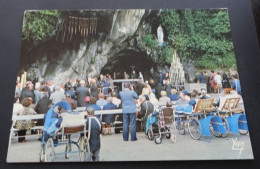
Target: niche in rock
point(124, 61)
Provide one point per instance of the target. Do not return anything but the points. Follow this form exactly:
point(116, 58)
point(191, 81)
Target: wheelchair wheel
point(157, 140)
point(67, 149)
point(243, 131)
point(226, 127)
point(42, 154)
point(49, 151)
point(82, 149)
point(195, 128)
point(150, 134)
point(215, 133)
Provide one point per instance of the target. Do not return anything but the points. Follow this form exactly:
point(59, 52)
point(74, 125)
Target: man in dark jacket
point(94, 124)
point(82, 92)
point(28, 92)
point(43, 106)
point(139, 87)
point(168, 86)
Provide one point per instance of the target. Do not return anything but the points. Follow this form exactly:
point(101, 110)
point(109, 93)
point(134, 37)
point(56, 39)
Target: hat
point(185, 92)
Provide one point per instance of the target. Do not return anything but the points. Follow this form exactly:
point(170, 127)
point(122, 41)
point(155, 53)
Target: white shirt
point(217, 79)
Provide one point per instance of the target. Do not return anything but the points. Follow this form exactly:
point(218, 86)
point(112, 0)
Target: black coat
point(139, 88)
point(42, 105)
point(81, 93)
point(27, 93)
point(96, 130)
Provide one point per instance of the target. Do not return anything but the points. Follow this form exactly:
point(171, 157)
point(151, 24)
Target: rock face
point(92, 54)
point(117, 43)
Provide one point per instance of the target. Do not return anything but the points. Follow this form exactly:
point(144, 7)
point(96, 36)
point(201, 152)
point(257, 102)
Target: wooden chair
point(230, 106)
point(204, 106)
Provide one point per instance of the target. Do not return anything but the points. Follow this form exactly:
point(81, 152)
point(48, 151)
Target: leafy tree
point(39, 25)
point(200, 35)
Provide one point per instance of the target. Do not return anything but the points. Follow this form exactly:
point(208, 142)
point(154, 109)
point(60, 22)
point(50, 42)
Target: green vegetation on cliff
point(39, 25)
point(203, 36)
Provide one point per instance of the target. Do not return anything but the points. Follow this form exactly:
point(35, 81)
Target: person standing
point(37, 92)
point(94, 125)
point(236, 84)
point(202, 78)
point(128, 97)
point(225, 81)
point(218, 81)
point(213, 84)
point(67, 83)
point(81, 93)
point(146, 109)
point(28, 92)
point(57, 96)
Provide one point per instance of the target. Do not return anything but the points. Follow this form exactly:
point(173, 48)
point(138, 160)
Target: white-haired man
point(57, 96)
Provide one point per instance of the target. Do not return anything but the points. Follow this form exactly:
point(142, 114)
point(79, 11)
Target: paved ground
point(113, 148)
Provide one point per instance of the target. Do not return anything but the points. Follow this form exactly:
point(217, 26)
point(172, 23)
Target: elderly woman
point(174, 95)
point(108, 118)
point(23, 126)
point(164, 97)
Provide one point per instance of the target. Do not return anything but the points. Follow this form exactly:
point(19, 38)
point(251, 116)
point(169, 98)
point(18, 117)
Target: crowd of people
point(98, 94)
point(216, 80)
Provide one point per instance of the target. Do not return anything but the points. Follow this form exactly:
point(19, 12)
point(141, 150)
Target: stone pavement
point(113, 148)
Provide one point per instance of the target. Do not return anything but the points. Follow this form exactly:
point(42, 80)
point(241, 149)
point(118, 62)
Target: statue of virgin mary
point(160, 35)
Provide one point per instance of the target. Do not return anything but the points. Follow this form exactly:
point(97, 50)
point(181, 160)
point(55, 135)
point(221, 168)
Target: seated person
point(93, 104)
point(23, 127)
point(187, 97)
point(95, 131)
point(115, 100)
point(153, 99)
point(182, 99)
point(164, 97)
point(108, 118)
point(70, 101)
point(173, 96)
point(204, 94)
point(101, 100)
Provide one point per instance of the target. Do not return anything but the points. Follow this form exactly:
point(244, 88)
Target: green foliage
point(159, 54)
point(39, 25)
point(200, 35)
